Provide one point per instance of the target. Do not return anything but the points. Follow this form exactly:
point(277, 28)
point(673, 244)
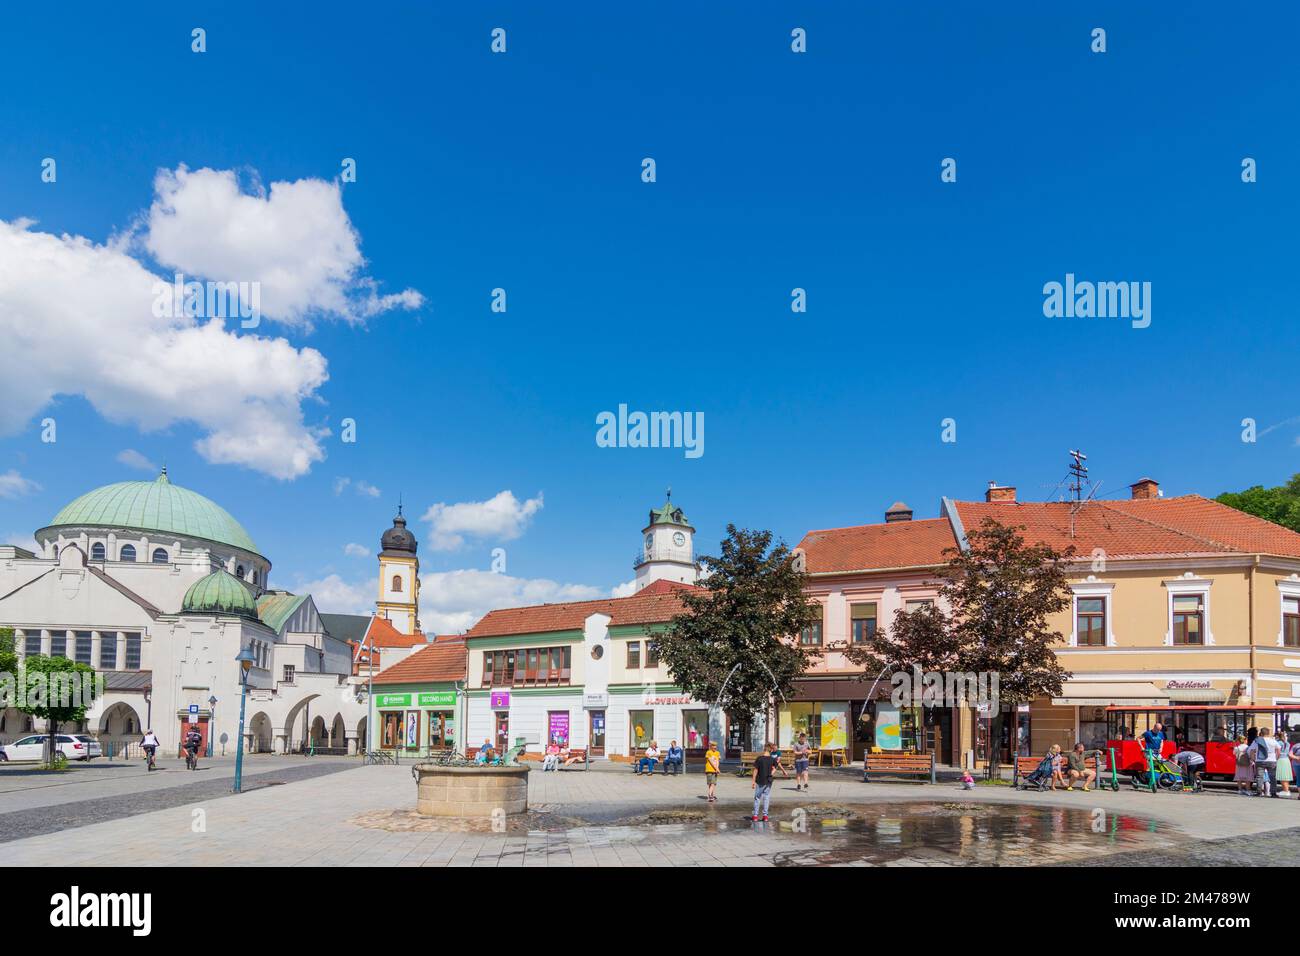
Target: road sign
point(194, 718)
point(194, 710)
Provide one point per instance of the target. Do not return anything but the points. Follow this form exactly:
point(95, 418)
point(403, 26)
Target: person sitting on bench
point(1078, 770)
point(674, 759)
point(647, 763)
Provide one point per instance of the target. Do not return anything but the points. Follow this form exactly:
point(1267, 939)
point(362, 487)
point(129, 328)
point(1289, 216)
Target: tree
point(920, 638)
point(731, 645)
point(8, 655)
point(57, 690)
point(1280, 504)
point(1000, 593)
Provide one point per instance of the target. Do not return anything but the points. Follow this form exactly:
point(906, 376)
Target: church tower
point(667, 548)
point(399, 577)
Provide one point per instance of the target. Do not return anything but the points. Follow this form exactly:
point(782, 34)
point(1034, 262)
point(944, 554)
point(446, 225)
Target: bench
point(1092, 760)
point(576, 760)
point(784, 761)
point(898, 763)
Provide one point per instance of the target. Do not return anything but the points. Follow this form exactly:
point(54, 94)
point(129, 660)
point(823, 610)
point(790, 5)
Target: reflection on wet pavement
point(924, 834)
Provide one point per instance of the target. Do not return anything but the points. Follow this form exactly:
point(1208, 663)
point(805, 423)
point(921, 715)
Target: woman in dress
point(1285, 769)
point(1245, 772)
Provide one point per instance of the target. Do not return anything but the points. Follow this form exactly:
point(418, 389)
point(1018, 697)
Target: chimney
point(1145, 488)
point(898, 512)
point(998, 492)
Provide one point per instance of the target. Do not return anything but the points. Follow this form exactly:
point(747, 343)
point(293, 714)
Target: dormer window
point(97, 551)
point(160, 556)
point(128, 552)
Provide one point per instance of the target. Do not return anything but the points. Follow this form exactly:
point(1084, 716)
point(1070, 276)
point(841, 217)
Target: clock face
point(679, 539)
point(649, 543)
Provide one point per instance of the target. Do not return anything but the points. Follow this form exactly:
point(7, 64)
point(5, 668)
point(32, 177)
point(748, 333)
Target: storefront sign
point(440, 698)
point(392, 700)
point(558, 728)
point(666, 701)
point(500, 700)
point(1187, 685)
point(595, 700)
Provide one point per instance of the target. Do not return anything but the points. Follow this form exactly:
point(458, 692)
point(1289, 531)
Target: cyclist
point(150, 745)
point(193, 741)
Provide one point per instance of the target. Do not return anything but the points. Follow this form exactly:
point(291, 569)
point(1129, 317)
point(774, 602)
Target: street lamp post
point(245, 660)
point(212, 722)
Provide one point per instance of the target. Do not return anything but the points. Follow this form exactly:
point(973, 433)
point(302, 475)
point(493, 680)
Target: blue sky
point(774, 171)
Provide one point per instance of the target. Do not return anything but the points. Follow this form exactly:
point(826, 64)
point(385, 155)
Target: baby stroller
point(1169, 775)
point(1041, 776)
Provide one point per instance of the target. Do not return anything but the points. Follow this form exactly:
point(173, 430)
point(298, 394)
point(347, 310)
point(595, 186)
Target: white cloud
point(14, 485)
point(356, 550)
point(77, 317)
point(296, 241)
point(333, 595)
point(450, 601)
point(502, 518)
point(367, 489)
point(453, 601)
point(626, 589)
point(133, 459)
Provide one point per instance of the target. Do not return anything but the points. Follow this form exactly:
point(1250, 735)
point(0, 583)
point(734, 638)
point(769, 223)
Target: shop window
point(825, 723)
point(1189, 619)
point(641, 727)
point(1291, 622)
point(392, 729)
point(1090, 621)
point(633, 654)
point(557, 728)
point(863, 622)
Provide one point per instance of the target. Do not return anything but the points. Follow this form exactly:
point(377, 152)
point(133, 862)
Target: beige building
point(1175, 601)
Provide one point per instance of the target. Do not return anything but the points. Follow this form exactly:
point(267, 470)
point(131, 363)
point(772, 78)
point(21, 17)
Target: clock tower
point(399, 577)
point(667, 550)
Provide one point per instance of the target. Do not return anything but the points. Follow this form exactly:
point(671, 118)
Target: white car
point(33, 747)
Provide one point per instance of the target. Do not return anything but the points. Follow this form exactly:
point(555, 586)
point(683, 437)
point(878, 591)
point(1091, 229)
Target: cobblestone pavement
point(360, 816)
point(46, 803)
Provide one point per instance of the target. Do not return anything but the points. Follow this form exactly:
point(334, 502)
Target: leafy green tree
point(735, 644)
point(1280, 504)
point(8, 655)
point(49, 681)
point(920, 638)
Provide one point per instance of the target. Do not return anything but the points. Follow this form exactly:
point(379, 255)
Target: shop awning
point(1077, 693)
point(1196, 695)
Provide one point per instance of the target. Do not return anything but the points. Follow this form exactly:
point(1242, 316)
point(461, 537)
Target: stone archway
point(363, 742)
point(120, 720)
point(317, 735)
point(338, 732)
point(260, 735)
point(295, 730)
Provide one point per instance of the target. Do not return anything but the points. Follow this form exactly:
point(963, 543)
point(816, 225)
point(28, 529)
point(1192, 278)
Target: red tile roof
point(656, 602)
point(1185, 525)
point(382, 634)
point(898, 544)
point(440, 661)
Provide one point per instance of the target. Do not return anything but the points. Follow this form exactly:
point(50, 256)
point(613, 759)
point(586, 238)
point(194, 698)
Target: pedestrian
point(1153, 740)
point(1079, 769)
point(1285, 772)
point(801, 762)
point(1244, 775)
point(762, 781)
point(712, 767)
point(1294, 750)
point(1192, 765)
point(1266, 752)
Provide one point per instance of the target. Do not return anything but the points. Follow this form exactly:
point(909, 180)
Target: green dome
point(220, 593)
point(156, 506)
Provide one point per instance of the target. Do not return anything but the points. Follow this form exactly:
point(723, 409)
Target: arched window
point(160, 556)
point(255, 574)
point(56, 550)
point(97, 551)
point(397, 583)
point(128, 552)
point(239, 572)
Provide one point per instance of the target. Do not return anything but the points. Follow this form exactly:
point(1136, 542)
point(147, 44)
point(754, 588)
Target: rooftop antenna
point(1080, 482)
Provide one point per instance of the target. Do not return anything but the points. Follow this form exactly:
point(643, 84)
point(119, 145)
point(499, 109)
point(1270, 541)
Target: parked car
point(33, 747)
point(93, 749)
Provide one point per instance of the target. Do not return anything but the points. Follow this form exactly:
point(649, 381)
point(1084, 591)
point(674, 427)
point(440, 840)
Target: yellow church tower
point(399, 577)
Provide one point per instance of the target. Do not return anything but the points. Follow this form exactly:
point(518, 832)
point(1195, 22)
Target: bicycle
point(191, 759)
point(149, 754)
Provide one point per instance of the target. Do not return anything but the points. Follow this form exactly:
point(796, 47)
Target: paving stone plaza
point(335, 812)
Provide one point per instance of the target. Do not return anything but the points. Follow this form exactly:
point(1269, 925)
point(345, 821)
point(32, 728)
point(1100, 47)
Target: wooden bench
point(1091, 761)
point(898, 763)
point(576, 760)
point(784, 762)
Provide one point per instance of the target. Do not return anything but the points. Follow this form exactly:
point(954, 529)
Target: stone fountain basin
point(469, 791)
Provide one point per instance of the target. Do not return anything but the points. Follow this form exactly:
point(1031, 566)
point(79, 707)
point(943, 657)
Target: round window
point(597, 652)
